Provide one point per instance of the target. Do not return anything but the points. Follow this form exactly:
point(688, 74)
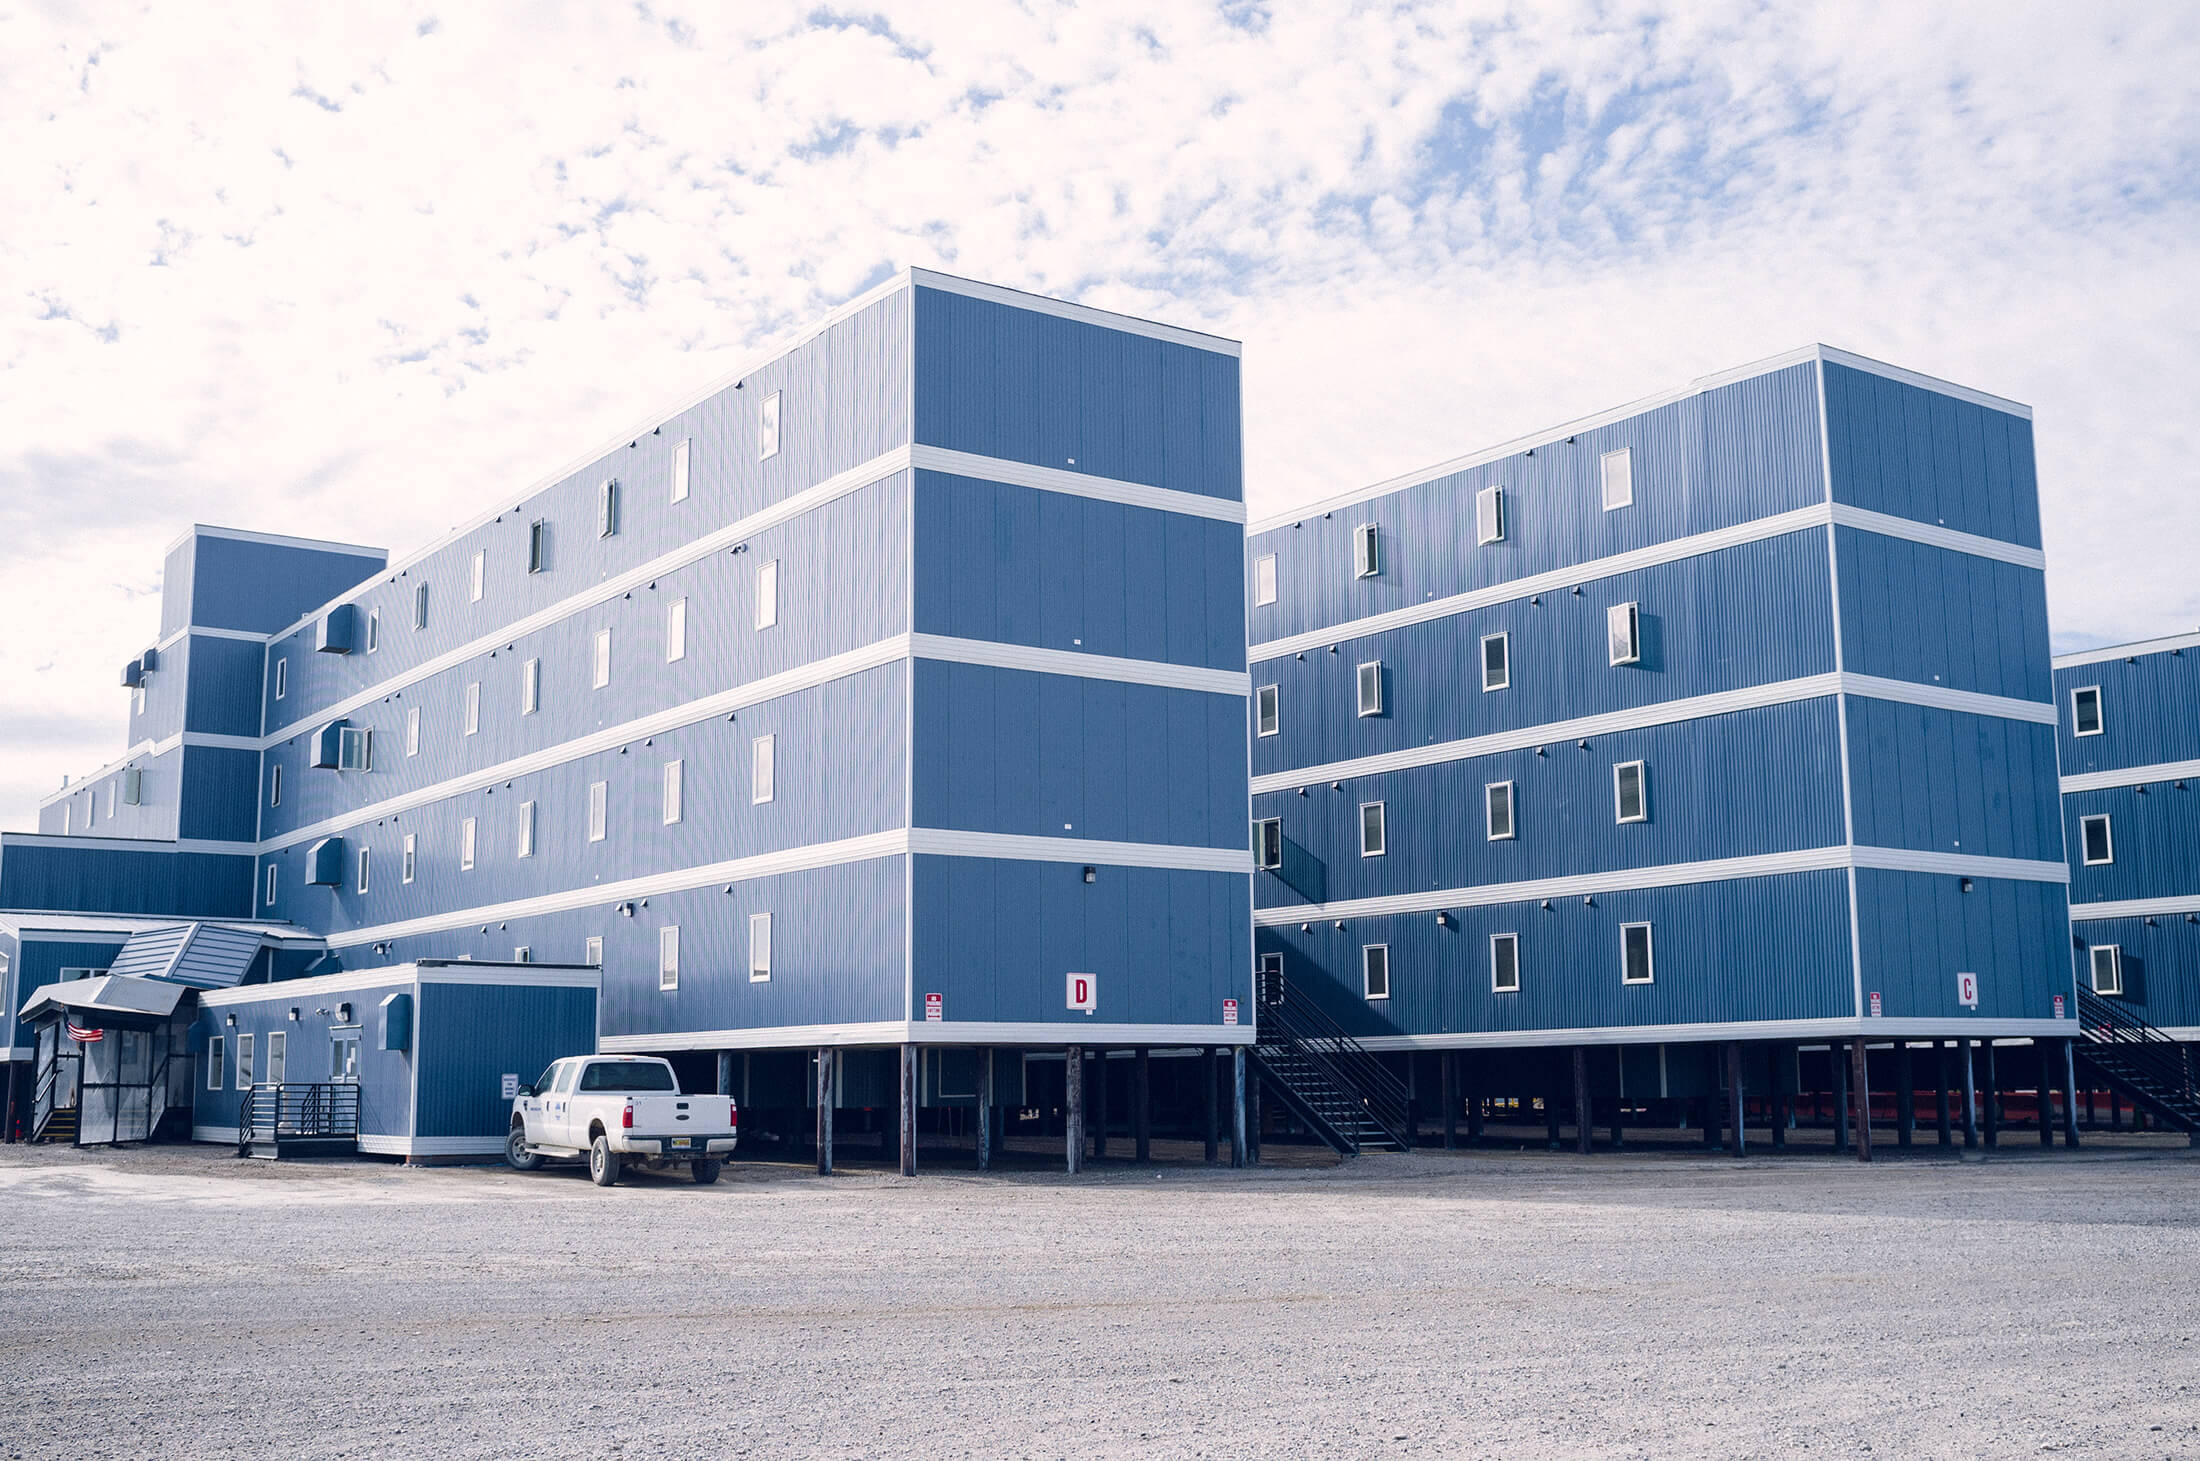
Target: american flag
point(83, 1036)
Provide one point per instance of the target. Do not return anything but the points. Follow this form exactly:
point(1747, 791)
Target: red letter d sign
point(1084, 993)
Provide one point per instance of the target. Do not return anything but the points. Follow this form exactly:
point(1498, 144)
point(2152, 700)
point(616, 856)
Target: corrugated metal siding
point(177, 573)
point(2161, 964)
point(1774, 948)
point(1728, 456)
point(98, 810)
point(1929, 457)
point(1058, 756)
point(217, 957)
point(1740, 785)
point(260, 587)
point(1912, 612)
point(147, 955)
point(219, 788)
point(154, 882)
point(385, 1076)
point(1751, 615)
point(470, 1036)
point(1072, 394)
point(2150, 713)
point(222, 679)
point(996, 939)
point(1919, 931)
point(1939, 781)
point(2155, 835)
point(39, 963)
point(1016, 566)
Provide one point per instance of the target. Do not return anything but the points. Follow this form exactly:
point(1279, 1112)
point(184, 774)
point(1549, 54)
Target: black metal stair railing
point(276, 1113)
point(2144, 1062)
point(1325, 1073)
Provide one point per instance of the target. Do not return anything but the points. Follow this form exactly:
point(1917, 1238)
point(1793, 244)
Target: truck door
point(558, 1116)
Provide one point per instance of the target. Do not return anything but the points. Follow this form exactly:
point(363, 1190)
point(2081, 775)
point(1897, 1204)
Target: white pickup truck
point(611, 1109)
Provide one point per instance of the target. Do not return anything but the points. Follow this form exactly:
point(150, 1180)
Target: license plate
point(682, 1142)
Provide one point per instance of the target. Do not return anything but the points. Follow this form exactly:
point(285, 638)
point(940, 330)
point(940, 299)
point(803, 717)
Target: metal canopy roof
point(202, 955)
point(107, 1000)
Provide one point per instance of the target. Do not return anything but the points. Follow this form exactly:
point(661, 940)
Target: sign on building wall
point(1084, 993)
point(1876, 1007)
point(934, 1007)
point(1967, 990)
point(1229, 1012)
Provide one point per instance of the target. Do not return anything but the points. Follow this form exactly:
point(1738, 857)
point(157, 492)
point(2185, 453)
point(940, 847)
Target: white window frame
point(763, 769)
point(468, 839)
point(1623, 480)
point(1370, 955)
point(244, 1061)
point(1649, 954)
point(1505, 668)
point(768, 427)
point(2115, 985)
point(1629, 614)
point(2077, 722)
point(420, 606)
point(526, 841)
point(1497, 984)
point(674, 778)
point(217, 1061)
point(1642, 791)
point(1489, 515)
point(1264, 579)
point(676, 631)
point(275, 784)
point(412, 730)
point(409, 858)
point(473, 707)
point(1367, 551)
point(278, 1057)
point(1381, 826)
point(355, 748)
point(1492, 794)
point(374, 631)
point(282, 676)
point(364, 854)
point(599, 810)
point(137, 700)
point(114, 797)
point(1267, 716)
point(767, 593)
point(1369, 704)
point(1261, 842)
point(2108, 839)
point(680, 466)
point(760, 948)
point(668, 956)
point(271, 884)
point(607, 508)
point(480, 581)
point(600, 672)
point(592, 950)
point(538, 545)
point(530, 686)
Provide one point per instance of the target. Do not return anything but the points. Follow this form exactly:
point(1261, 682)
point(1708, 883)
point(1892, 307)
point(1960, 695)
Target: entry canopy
point(107, 1001)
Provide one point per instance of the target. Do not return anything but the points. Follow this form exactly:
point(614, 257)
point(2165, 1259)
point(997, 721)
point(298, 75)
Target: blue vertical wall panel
point(219, 789)
point(261, 587)
point(2150, 711)
point(472, 1035)
point(1913, 612)
point(1942, 781)
point(2154, 831)
point(224, 678)
point(1928, 456)
point(40, 875)
point(39, 962)
point(1918, 931)
point(2160, 959)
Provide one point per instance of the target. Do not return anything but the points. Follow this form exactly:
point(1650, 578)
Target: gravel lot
point(179, 1302)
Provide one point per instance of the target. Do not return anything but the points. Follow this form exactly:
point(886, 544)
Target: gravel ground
point(179, 1302)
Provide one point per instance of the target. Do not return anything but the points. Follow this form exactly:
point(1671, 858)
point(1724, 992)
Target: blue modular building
point(1686, 737)
point(886, 696)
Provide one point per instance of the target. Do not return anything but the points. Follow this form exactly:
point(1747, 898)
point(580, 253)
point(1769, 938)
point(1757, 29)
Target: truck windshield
point(622, 1075)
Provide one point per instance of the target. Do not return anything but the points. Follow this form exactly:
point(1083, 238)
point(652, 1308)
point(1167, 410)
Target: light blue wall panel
point(1911, 612)
point(1918, 931)
point(217, 794)
point(2150, 712)
point(2161, 965)
point(39, 962)
point(1940, 781)
point(223, 678)
point(1917, 453)
point(95, 808)
point(2154, 831)
point(468, 1037)
point(385, 1076)
point(37, 874)
point(261, 587)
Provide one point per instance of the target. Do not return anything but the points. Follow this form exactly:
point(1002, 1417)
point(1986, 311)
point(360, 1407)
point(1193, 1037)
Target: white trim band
point(2175, 905)
point(2131, 776)
point(1075, 484)
point(59, 840)
point(2108, 652)
point(1843, 1028)
point(930, 1032)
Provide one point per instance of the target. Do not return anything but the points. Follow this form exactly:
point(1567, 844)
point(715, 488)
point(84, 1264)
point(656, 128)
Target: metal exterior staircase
point(276, 1121)
point(2140, 1061)
point(1345, 1095)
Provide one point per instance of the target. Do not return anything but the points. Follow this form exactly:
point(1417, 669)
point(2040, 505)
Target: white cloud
point(355, 273)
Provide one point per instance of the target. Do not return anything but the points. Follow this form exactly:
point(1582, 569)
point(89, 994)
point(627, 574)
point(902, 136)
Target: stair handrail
point(2106, 1023)
point(1322, 1042)
point(301, 1109)
point(42, 1095)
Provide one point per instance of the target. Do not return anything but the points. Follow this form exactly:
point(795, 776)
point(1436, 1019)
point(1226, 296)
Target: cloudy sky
point(355, 271)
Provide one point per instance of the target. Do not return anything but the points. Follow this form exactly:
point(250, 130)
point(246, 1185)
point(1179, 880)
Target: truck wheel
point(704, 1173)
point(603, 1162)
point(516, 1154)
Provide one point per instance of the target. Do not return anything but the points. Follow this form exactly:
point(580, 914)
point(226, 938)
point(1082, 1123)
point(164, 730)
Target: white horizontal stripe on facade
point(132, 844)
point(2110, 652)
point(2131, 776)
point(375, 1144)
point(931, 1032)
point(201, 631)
point(1834, 1029)
point(405, 976)
point(772, 687)
point(897, 842)
point(1557, 580)
point(1670, 712)
point(1668, 875)
point(275, 540)
point(1075, 484)
point(2175, 905)
point(144, 748)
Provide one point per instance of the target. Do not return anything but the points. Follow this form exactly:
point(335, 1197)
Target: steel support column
point(1451, 1099)
point(2048, 1062)
point(1940, 1075)
point(1992, 1091)
point(1970, 1098)
point(985, 1109)
point(1211, 1072)
point(1837, 1063)
point(2070, 1092)
point(1238, 1155)
point(1734, 1094)
point(1142, 1105)
point(1905, 1098)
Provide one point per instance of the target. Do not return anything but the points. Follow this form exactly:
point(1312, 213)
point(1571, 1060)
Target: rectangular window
point(282, 678)
point(355, 748)
point(599, 803)
point(217, 1056)
point(343, 1057)
point(2096, 840)
point(676, 630)
point(538, 546)
point(2085, 711)
point(275, 785)
point(1266, 721)
point(1264, 579)
point(278, 1057)
point(412, 731)
point(760, 947)
point(466, 845)
point(680, 471)
point(114, 796)
point(767, 427)
point(526, 829)
point(1372, 843)
point(420, 606)
point(2108, 969)
point(673, 773)
point(1371, 688)
point(760, 769)
point(1635, 965)
point(271, 871)
point(481, 573)
point(1375, 970)
point(1268, 842)
point(1505, 963)
point(1497, 799)
point(374, 630)
point(1497, 671)
point(137, 700)
point(607, 508)
point(244, 1062)
point(363, 869)
point(1489, 515)
point(1623, 633)
point(592, 950)
point(668, 956)
point(409, 862)
point(1630, 792)
point(767, 594)
point(1619, 478)
point(1367, 551)
point(530, 687)
point(602, 676)
point(473, 707)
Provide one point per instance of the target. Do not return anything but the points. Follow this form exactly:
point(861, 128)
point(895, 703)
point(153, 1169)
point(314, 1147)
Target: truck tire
point(603, 1162)
point(704, 1172)
point(516, 1155)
